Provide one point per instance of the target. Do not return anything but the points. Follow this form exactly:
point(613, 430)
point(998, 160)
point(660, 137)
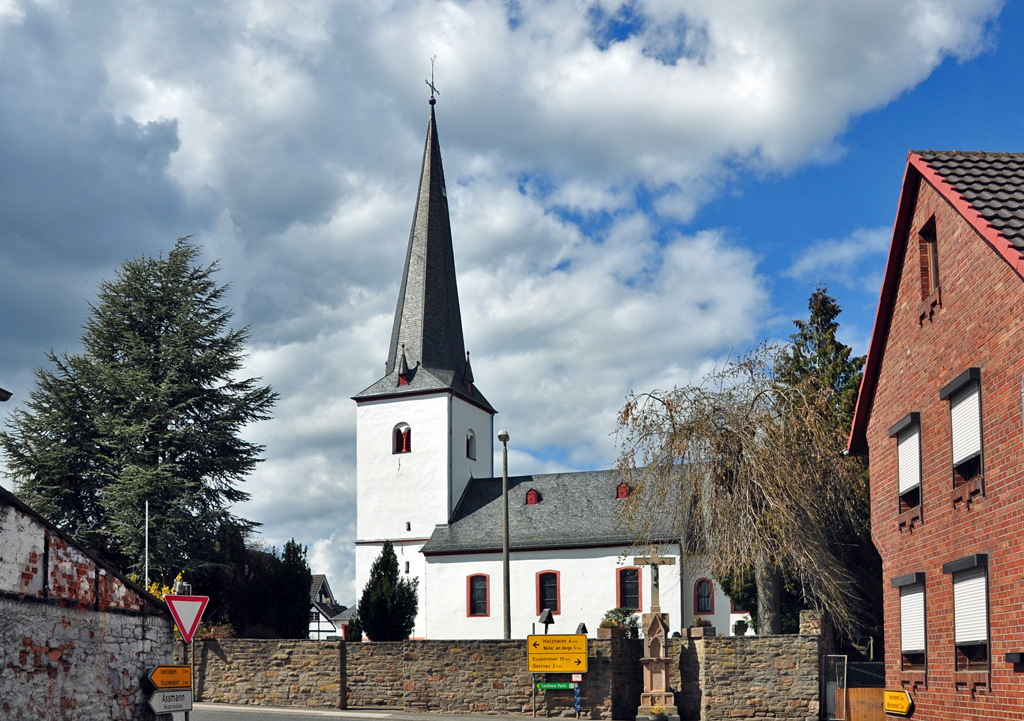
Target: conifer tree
point(816, 354)
point(152, 409)
point(387, 609)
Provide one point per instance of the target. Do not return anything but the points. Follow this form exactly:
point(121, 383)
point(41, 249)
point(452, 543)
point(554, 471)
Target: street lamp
point(5, 395)
point(507, 606)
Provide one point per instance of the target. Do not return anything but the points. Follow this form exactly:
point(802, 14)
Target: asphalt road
point(220, 712)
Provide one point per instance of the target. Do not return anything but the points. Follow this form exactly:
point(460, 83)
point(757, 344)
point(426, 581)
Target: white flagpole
point(147, 545)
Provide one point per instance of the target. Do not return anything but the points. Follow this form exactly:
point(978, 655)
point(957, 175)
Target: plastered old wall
point(75, 639)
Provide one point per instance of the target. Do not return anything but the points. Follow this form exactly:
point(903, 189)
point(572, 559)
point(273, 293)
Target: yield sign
point(187, 610)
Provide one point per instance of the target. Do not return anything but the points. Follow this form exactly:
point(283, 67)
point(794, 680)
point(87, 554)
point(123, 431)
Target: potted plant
point(658, 713)
point(701, 628)
point(619, 623)
point(609, 629)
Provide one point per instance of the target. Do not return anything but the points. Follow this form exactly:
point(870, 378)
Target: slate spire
point(427, 319)
point(426, 339)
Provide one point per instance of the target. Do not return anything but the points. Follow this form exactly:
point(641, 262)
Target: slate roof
point(576, 509)
point(330, 611)
point(314, 584)
point(993, 183)
point(428, 321)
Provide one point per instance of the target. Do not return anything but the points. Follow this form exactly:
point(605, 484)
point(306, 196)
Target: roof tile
point(992, 183)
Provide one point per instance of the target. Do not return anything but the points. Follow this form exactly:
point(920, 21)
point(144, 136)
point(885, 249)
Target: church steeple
point(428, 320)
point(427, 331)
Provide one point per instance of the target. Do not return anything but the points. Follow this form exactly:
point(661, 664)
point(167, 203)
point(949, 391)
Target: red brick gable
point(978, 325)
point(917, 170)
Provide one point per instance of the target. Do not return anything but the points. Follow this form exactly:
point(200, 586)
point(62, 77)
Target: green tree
point(387, 609)
point(816, 355)
point(294, 578)
point(257, 591)
point(152, 409)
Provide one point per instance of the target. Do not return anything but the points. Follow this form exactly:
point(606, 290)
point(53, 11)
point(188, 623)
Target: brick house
point(940, 410)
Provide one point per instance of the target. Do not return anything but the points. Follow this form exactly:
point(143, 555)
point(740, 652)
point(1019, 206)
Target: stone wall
point(269, 672)
point(76, 639)
point(481, 677)
point(731, 677)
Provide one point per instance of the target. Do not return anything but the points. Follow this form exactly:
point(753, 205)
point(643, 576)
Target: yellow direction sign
point(565, 653)
point(171, 677)
point(898, 702)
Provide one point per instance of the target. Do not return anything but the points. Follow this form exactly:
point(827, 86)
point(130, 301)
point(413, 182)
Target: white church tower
point(423, 430)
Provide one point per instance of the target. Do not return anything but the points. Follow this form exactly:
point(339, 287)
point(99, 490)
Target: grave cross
point(654, 560)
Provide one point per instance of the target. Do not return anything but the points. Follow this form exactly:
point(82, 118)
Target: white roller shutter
point(912, 618)
point(965, 410)
point(970, 606)
point(908, 445)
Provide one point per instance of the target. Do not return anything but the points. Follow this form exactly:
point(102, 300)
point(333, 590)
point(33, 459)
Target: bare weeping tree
point(749, 470)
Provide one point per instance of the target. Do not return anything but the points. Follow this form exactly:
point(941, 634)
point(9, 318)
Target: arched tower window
point(471, 445)
point(401, 439)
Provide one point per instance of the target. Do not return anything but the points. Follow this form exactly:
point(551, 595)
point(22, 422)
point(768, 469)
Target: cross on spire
point(654, 560)
point(430, 83)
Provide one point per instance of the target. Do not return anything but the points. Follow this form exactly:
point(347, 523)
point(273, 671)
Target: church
point(425, 438)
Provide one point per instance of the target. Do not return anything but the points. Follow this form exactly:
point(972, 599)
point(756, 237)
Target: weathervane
point(430, 83)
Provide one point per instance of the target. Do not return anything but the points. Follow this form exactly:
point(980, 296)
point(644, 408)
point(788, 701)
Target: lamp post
point(506, 605)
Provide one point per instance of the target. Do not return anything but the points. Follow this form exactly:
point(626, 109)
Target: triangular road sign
point(187, 610)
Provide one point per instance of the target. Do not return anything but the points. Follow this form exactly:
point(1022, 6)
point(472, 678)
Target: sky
point(637, 190)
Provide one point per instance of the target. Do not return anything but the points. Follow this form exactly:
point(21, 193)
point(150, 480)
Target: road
point(222, 712)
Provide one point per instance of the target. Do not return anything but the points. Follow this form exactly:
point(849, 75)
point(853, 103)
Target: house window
point(471, 445)
point(908, 454)
point(622, 490)
point(733, 608)
point(478, 596)
point(929, 250)
point(964, 394)
point(704, 596)
point(532, 497)
point(912, 630)
point(314, 616)
point(406, 566)
point(402, 439)
point(547, 591)
point(970, 611)
point(629, 589)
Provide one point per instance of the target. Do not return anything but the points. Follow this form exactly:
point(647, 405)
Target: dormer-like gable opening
point(622, 490)
point(532, 497)
point(401, 439)
point(471, 445)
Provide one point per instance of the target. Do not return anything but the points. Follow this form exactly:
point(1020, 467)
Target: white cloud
point(287, 136)
point(843, 260)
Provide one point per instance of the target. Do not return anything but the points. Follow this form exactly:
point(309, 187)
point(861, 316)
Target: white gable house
point(425, 481)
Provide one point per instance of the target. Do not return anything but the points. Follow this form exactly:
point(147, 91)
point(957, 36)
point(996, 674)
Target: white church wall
point(722, 617)
point(396, 489)
point(411, 565)
point(465, 417)
point(588, 585)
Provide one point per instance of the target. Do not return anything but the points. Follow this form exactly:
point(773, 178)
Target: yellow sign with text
point(565, 653)
point(898, 702)
point(171, 677)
